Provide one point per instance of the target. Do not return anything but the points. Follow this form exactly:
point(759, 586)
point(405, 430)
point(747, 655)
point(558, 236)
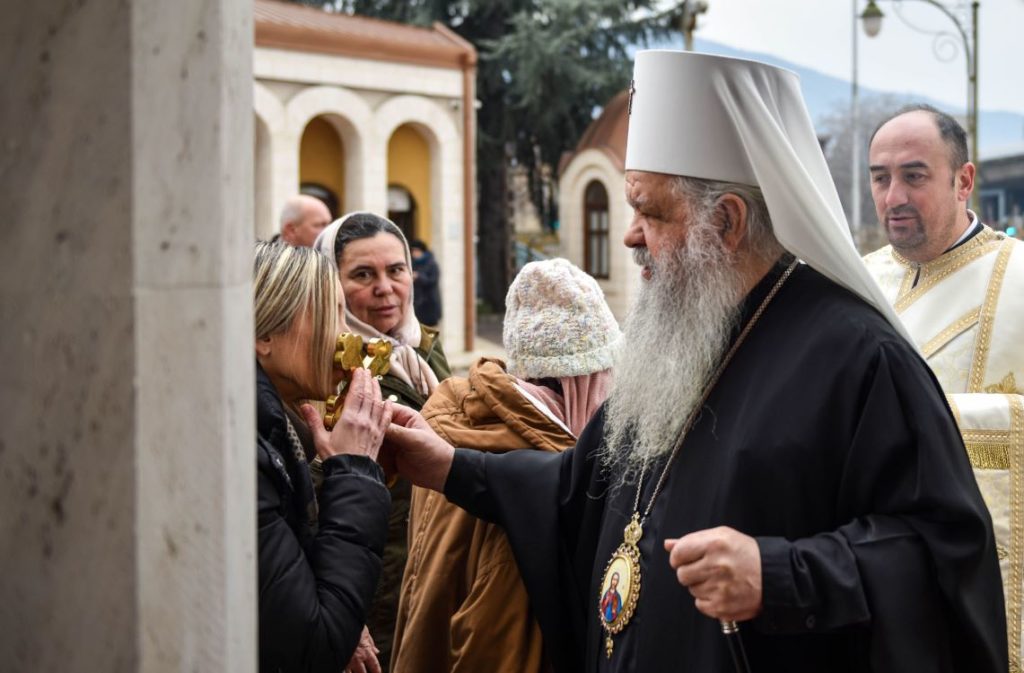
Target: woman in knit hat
point(463, 605)
point(375, 270)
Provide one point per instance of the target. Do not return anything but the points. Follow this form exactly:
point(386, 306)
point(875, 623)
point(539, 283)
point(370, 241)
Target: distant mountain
point(826, 94)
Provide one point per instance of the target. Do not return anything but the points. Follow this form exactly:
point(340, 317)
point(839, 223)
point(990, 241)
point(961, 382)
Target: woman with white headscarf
point(375, 269)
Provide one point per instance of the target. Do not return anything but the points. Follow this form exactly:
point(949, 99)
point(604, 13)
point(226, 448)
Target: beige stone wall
point(127, 526)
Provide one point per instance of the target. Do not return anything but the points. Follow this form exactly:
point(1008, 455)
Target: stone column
point(127, 527)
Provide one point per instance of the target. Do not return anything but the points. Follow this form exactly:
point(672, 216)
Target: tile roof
point(287, 25)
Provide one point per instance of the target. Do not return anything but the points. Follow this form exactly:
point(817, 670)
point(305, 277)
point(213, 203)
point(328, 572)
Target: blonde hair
point(288, 280)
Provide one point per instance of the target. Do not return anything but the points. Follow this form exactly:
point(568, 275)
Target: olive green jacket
point(384, 610)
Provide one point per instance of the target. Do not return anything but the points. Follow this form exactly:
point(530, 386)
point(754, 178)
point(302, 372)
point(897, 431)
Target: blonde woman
point(319, 556)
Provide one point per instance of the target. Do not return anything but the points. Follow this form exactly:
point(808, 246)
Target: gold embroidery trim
point(945, 336)
point(989, 437)
point(988, 449)
point(955, 409)
point(1002, 450)
point(988, 317)
point(945, 265)
point(908, 282)
point(1007, 386)
point(988, 455)
point(1016, 534)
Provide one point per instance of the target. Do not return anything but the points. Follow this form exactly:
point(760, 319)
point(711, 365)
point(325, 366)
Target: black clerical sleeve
point(541, 501)
point(906, 465)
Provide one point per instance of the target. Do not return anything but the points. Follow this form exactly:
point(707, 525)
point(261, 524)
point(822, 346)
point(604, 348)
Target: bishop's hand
point(721, 567)
point(413, 449)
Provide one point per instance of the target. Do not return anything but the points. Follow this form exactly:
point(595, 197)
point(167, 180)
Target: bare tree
point(836, 133)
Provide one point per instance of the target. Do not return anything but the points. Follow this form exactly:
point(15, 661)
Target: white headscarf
point(406, 363)
point(733, 120)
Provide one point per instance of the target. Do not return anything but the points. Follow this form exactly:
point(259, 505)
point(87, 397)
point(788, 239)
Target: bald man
point(302, 219)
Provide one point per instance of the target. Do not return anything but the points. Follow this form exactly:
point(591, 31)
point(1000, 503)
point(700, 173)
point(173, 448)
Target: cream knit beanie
point(557, 323)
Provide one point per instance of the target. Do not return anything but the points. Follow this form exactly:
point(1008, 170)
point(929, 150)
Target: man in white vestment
point(958, 287)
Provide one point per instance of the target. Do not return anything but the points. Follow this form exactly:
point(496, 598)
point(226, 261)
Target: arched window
point(410, 181)
point(322, 162)
point(595, 219)
point(402, 210)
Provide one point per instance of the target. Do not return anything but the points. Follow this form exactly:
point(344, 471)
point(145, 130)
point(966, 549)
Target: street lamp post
point(689, 10)
point(872, 20)
point(855, 222)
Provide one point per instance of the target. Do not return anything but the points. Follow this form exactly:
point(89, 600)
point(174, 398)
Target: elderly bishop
point(774, 452)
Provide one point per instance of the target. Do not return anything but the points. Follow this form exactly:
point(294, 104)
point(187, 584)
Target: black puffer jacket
point(317, 570)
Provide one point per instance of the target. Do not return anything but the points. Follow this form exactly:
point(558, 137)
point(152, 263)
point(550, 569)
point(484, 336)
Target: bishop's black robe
point(828, 440)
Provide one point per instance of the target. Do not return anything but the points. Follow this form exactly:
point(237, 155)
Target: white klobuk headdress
point(733, 120)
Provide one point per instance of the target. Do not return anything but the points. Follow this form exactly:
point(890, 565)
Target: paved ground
point(488, 343)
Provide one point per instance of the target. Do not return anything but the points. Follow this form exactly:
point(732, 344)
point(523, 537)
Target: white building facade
point(380, 115)
point(592, 206)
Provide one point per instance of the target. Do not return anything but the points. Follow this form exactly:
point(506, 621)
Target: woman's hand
point(415, 451)
point(363, 420)
point(364, 659)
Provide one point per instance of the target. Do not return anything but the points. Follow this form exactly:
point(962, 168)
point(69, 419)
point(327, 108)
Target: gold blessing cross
point(350, 353)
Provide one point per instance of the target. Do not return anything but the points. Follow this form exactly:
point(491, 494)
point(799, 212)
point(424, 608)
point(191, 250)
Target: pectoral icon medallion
point(620, 586)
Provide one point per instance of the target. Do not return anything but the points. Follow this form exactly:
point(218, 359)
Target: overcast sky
point(817, 33)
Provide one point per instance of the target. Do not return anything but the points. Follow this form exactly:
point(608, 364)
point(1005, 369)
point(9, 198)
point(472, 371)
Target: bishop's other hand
point(721, 567)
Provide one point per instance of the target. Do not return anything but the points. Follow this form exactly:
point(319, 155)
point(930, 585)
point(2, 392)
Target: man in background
point(955, 283)
point(426, 295)
point(302, 220)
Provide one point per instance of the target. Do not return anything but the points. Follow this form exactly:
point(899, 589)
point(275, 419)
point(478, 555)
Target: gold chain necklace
point(620, 586)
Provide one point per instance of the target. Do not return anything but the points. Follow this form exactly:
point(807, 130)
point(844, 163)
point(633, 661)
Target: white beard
point(675, 336)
